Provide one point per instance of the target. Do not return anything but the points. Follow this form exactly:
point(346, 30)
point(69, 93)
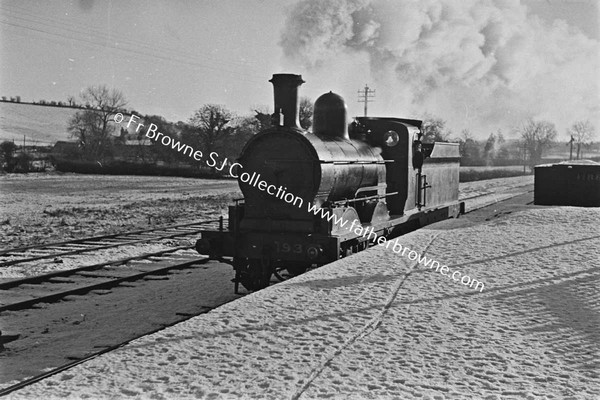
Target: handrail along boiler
point(375, 174)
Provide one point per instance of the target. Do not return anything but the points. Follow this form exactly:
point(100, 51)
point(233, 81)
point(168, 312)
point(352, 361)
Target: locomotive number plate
point(284, 247)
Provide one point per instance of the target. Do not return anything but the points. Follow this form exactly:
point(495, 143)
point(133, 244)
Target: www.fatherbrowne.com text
point(280, 192)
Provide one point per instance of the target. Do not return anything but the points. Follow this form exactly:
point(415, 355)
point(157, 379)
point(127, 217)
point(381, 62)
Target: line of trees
point(214, 128)
point(535, 138)
point(211, 128)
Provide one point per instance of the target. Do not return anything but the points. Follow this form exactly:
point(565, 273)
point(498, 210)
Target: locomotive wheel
point(292, 270)
point(297, 269)
point(254, 275)
point(280, 273)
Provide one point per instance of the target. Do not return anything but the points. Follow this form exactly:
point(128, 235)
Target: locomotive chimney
point(285, 88)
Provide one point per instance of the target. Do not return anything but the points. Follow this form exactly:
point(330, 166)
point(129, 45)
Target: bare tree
point(305, 113)
point(434, 130)
point(536, 137)
point(94, 127)
point(468, 148)
point(7, 152)
point(103, 98)
point(211, 125)
point(582, 133)
point(500, 136)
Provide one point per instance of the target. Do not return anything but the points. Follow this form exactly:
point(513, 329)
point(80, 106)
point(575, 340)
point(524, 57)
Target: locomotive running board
point(412, 220)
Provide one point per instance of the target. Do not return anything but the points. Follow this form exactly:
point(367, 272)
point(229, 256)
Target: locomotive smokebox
point(330, 116)
point(285, 88)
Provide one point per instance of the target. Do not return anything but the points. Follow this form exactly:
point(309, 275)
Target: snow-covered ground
point(43, 208)
point(378, 326)
point(480, 193)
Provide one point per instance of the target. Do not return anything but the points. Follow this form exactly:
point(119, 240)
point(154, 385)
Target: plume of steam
point(479, 63)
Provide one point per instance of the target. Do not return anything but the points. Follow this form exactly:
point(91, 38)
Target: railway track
point(20, 294)
point(28, 254)
point(476, 201)
point(34, 291)
point(24, 293)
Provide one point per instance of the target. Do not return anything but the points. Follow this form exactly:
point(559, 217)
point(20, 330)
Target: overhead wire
point(107, 36)
point(243, 76)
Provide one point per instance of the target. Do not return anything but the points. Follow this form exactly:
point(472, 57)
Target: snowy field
point(377, 326)
point(39, 124)
point(42, 208)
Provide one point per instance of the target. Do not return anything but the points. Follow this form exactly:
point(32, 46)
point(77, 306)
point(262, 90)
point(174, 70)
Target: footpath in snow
point(378, 326)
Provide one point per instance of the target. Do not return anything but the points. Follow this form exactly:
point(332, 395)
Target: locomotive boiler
point(374, 173)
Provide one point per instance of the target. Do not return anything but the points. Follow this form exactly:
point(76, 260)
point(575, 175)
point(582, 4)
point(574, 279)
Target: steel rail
point(67, 272)
point(97, 238)
point(496, 192)
point(53, 297)
point(103, 247)
point(494, 201)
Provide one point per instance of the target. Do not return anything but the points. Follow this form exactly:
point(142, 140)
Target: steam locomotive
point(374, 173)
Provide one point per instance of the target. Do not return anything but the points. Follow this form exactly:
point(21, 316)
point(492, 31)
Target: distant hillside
point(45, 125)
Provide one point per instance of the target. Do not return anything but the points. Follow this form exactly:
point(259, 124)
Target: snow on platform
point(377, 326)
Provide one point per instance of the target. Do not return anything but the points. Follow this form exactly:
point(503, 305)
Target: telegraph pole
point(366, 96)
point(524, 156)
point(571, 152)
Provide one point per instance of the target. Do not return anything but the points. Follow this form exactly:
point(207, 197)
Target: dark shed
point(569, 183)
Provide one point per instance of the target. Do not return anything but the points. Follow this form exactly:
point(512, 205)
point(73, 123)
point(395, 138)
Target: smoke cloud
point(481, 65)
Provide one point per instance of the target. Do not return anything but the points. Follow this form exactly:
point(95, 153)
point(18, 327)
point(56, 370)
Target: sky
point(481, 65)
